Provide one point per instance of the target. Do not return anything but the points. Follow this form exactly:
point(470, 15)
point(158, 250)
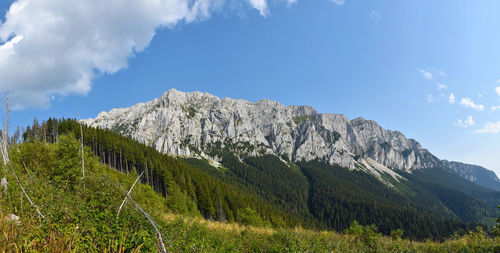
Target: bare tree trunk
point(147, 173)
point(160, 239)
point(5, 137)
point(4, 142)
point(121, 163)
point(44, 133)
point(129, 191)
point(57, 132)
point(83, 161)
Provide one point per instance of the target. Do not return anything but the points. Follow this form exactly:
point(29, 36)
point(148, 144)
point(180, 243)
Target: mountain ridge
point(193, 123)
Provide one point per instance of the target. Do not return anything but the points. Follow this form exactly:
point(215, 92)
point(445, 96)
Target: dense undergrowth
point(80, 215)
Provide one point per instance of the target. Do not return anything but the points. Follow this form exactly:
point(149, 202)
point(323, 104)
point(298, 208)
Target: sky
point(430, 69)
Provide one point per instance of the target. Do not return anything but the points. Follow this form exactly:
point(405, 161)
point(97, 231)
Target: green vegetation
point(193, 189)
point(265, 191)
point(339, 196)
point(191, 112)
point(84, 218)
point(299, 119)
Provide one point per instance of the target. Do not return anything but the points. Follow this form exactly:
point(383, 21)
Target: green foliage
point(84, 220)
point(191, 111)
point(368, 235)
point(339, 196)
point(310, 194)
point(397, 234)
point(191, 187)
point(179, 201)
point(85, 217)
point(66, 171)
point(299, 119)
point(496, 232)
point(249, 217)
point(467, 200)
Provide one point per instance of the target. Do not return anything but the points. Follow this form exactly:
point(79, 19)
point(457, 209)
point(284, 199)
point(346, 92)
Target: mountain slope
point(268, 189)
point(473, 173)
point(200, 124)
point(83, 219)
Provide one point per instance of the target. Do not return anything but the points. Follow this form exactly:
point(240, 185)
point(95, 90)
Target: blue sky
point(396, 62)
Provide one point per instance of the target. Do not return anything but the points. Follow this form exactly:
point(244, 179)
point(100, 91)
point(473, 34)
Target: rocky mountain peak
point(192, 123)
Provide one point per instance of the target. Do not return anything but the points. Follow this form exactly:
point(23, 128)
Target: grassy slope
point(84, 220)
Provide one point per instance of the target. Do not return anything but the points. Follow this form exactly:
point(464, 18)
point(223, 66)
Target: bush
point(249, 217)
point(368, 235)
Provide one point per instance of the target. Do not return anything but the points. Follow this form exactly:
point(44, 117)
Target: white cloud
point(452, 99)
point(465, 123)
point(467, 102)
point(490, 128)
point(261, 6)
point(497, 89)
point(441, 73)
point(429, 98)
point(494, 108)
point(50, 47)
point(441, 86)
point(337, 2)
point(375, 15)
point(427, 75)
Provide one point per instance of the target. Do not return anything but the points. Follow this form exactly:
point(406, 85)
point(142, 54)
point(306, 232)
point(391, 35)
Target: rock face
point(189, 124)
point(474, 173)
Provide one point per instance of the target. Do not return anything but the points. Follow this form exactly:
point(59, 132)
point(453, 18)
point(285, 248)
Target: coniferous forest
point(60, 197)
point(310, 194)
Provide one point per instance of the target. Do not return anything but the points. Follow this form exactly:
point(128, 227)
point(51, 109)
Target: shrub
point(368, 235)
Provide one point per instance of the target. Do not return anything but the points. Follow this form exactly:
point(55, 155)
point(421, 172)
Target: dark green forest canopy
point(281, 194)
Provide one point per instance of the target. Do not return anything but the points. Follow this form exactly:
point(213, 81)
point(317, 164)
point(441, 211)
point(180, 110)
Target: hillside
point(193, 124)
point(313, 194)
point(80, 215)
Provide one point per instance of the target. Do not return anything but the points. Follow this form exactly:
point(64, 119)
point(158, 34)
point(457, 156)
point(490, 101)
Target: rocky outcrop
point(191, 123)
point(474, 173)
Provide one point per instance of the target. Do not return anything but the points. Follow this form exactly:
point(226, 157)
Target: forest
point(280, 194)
point(251, 204)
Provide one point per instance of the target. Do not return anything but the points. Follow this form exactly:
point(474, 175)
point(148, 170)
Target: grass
point(188, 234)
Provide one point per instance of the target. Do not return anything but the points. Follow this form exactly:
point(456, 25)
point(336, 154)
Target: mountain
point(199, 124)
point(426, 203)
point(474, 173)
point(85, 216)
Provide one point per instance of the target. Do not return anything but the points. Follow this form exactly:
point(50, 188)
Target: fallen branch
point(125, 199)
point(22, 188)
point(27, 171)
point(162, 248)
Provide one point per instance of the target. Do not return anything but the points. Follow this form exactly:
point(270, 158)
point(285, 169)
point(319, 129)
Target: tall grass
point(185, 234)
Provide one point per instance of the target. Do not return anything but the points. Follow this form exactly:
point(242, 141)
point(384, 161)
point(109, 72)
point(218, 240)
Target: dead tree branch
point(27, 171)
point(26, 194)
point(162, 245)
point(129, 191)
